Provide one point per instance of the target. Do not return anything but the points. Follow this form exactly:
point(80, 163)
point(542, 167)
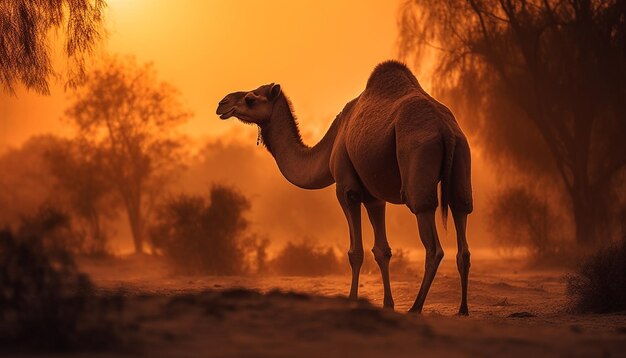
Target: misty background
point(320, 65)
point(125, 202)
point(523, 192)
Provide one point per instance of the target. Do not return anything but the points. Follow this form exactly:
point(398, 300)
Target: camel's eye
point(249, 100)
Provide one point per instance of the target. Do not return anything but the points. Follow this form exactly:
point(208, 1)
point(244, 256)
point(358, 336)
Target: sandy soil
point(513, 312)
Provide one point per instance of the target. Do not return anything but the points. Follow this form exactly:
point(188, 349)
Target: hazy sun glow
point(320, 51)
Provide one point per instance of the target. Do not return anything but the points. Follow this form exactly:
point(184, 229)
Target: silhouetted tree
point(129, 117)
point(59, 173)
point(83, 187)
point(26, 29)
point(542, 84)
point(25, 180)
point(203, 235)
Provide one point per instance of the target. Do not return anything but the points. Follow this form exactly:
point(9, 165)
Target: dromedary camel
point(393, 143)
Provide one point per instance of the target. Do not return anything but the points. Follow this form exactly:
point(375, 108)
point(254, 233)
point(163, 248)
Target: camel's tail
point(449, 144)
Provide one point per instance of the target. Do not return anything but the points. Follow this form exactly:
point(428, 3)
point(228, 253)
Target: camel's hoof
point(414, 310)
point(463, 312)
point(388, 303)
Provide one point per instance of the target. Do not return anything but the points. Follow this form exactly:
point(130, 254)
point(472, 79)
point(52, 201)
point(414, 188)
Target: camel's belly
point(373, 155)
point(381, 179)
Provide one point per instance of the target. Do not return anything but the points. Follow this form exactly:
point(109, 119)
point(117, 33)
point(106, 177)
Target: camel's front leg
point(350, 201)
point(381, 249)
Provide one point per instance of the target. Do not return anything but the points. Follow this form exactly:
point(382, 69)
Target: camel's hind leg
point(462, 256)
point(461, 204)
point(434, 255)
point(350, 201)
point(382, 251)
point(420, 169)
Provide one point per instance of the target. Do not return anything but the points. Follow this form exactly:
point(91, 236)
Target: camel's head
point(250, 107)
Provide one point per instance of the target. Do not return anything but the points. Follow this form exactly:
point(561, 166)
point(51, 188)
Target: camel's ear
point(274, 91)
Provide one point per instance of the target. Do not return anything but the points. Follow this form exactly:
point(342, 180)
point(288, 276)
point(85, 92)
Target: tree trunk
point(136, 224)
point(583, 194)
point(98, 236)
point(584, 221)
point(590, 211)
point(623, 221)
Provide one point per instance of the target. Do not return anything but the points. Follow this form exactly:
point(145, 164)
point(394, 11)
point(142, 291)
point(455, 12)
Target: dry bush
point(521, 219)
point(255, 252)
point(45, 302)
point(599, 285)
point(401, 265)
point(59, 232)
point(398, 265)
point(52, 228)
point(203, 235)
point(305, 259)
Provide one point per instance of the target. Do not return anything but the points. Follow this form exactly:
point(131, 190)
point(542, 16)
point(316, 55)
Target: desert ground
point(514, 311)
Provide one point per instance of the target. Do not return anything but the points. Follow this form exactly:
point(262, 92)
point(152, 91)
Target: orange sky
point(321, 52)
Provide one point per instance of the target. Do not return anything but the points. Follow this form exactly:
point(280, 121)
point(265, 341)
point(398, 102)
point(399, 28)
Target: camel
point(393, 143)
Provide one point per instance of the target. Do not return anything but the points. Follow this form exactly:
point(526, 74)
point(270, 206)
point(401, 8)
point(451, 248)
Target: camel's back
point(391, 88)
point(391, 80)
point(372, 113)
point(371, 120)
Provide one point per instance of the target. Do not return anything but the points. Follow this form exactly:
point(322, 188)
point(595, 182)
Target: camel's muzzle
point(227, 114)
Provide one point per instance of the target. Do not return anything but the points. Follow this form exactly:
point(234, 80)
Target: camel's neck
point(304, 166)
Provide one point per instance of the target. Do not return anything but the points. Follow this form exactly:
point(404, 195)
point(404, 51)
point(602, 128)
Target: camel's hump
point(391, 77)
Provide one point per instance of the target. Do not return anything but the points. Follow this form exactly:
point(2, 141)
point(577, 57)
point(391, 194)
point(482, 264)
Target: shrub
point(520, 219)
point(599, 285)
point(203, 235)
point(304, 259)
point(399, 265)
point(255, 251)
point(45, 302)
point(50, 227)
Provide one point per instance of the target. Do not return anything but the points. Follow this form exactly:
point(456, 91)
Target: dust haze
point(133, 220)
